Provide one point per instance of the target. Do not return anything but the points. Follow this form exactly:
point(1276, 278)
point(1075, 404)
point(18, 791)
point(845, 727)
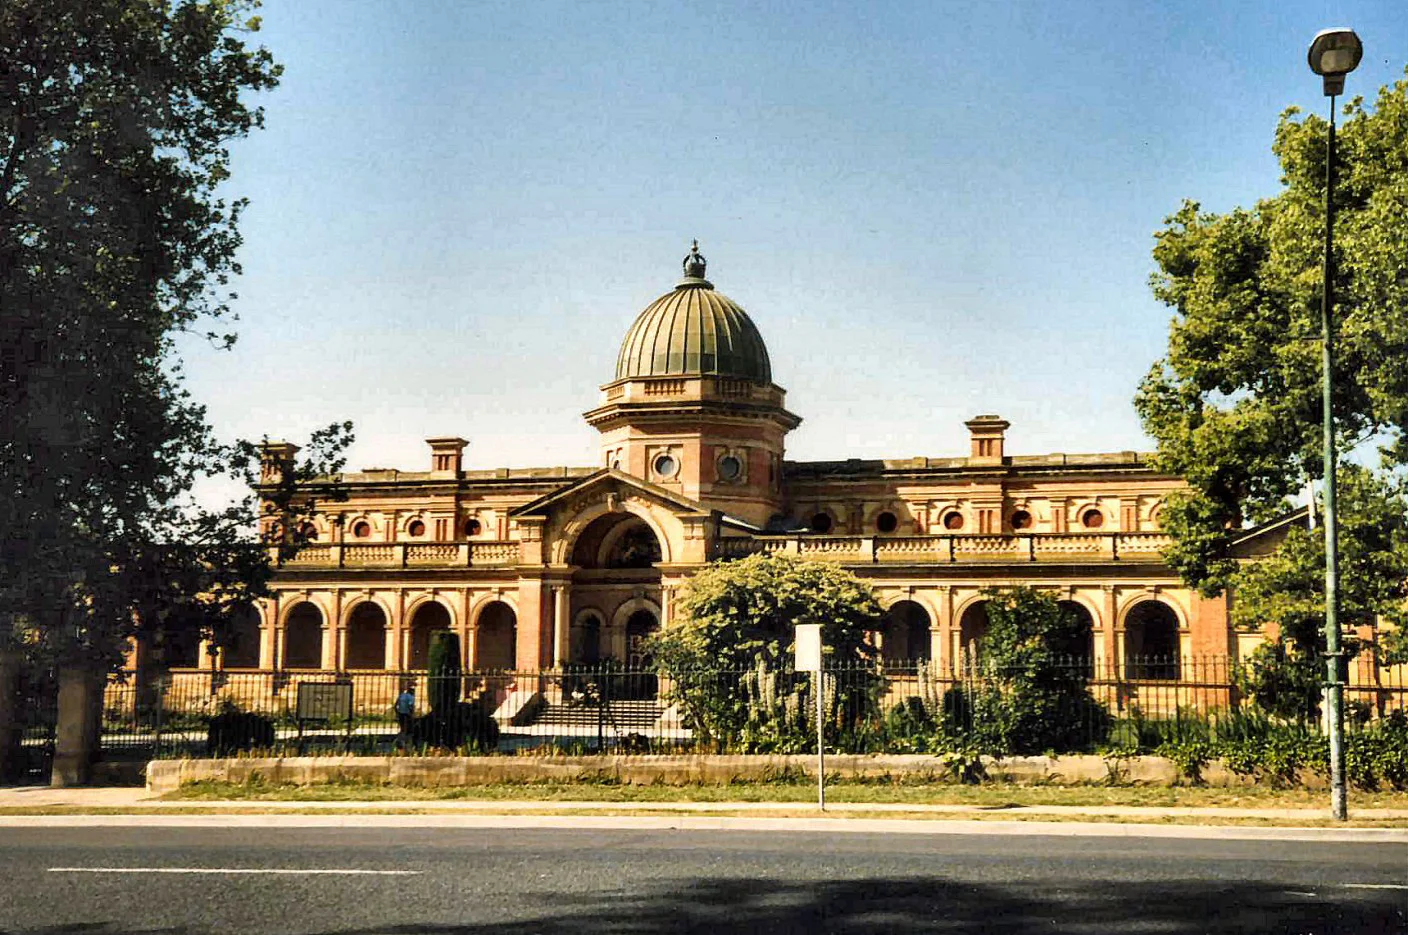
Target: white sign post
point(807, 656)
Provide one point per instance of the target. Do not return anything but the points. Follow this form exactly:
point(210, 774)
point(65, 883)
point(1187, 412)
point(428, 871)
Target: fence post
point(161, 685)
point(78, 738)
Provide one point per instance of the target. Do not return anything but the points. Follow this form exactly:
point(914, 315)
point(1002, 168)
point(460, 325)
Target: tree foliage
point(116, 242)
point(1284, 677)
point(1030, 694)
point(1235, 404)
point(728, 655)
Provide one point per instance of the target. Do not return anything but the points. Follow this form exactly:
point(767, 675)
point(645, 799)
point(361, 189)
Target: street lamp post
point(1334, 53)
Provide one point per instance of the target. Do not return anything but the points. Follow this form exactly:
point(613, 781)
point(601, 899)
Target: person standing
point(405, 713)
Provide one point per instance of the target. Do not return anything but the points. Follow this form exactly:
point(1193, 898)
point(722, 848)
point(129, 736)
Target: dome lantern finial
point(694, 263)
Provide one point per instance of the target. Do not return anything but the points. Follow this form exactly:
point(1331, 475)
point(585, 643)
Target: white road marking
point(231, 870)
point(1376, 886)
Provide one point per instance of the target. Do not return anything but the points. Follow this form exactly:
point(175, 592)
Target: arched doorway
point(905, 634)
point(429, 617)
point(641, 681)
point(972, 630)
point(303, 637)
point(1151, 641)
point(366, 637)
point(242, 642)
point(496, 642)
point(1080, 649)
point(585, 643)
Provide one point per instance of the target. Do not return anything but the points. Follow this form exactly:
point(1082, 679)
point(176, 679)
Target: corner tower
point(693, 407)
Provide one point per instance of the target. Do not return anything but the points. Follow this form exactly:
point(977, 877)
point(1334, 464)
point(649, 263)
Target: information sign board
point(807, 651)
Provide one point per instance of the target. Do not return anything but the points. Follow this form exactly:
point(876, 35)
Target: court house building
point(542, 567)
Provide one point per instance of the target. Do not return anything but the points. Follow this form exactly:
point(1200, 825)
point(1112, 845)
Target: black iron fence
point(1079, 705)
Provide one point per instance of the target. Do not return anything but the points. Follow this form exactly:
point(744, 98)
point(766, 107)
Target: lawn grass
point(908, 792)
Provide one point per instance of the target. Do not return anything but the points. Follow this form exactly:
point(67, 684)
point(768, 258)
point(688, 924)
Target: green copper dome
point(692, 331)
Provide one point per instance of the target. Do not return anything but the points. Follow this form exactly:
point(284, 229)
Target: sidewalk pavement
point(136, 800)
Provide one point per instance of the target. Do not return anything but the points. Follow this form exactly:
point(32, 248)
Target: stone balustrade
point(863, 550)
point(954, 549)
point(406, 554)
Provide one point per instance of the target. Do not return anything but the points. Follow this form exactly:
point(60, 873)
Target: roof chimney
point(987, 434)
point(446, 456)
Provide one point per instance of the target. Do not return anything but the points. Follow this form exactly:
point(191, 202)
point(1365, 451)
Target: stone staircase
point(621, 717)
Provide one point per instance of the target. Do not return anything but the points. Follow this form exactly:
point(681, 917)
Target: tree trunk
point(10, 726)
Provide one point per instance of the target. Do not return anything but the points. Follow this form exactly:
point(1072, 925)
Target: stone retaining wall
point(168, 775)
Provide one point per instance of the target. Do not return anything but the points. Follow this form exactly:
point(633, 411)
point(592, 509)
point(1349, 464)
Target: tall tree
point(1235, 403)
point(115, 240)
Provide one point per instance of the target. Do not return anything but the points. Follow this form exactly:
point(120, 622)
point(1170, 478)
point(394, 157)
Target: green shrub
point(1190, 754)
point(1377, 755)
point(444, 671)
point(465, 726)
point(233, 731)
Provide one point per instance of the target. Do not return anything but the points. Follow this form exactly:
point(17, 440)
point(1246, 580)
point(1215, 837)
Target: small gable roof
point(544, 505)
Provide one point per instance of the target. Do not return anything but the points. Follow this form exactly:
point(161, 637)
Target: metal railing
point(910, 706)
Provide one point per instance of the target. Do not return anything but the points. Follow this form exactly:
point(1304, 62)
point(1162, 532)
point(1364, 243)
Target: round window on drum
point(666, 465)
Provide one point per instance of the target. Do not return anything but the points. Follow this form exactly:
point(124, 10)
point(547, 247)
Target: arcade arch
point(496, 639)
point(428, 617)
point(242, 646)
point(972, 630)
point(1151, 649)
point(366, 637)
point(905, 633)
point(303, 637)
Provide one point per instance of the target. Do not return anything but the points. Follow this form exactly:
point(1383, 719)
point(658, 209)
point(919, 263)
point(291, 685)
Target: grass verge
point(901, 792)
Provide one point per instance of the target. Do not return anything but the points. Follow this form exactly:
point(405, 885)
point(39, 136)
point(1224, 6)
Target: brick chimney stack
point(446, 456)
point(987, 435)
point(275, 458)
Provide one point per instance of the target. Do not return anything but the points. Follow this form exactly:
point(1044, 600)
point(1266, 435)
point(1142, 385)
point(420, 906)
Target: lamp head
point(1333, 54)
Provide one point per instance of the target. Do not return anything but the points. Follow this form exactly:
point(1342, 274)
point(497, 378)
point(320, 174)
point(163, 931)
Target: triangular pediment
point(605, 483)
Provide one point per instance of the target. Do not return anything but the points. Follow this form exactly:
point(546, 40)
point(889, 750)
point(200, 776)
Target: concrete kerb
point(165, 776)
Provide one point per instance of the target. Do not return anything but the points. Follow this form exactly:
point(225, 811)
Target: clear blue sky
point(931, 210)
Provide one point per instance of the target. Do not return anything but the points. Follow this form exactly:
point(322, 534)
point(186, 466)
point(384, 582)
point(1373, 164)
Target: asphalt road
point(521, 881)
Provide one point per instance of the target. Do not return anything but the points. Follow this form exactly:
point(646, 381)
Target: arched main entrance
point(366, 637)
point(905, 634)
point(428, 617)
point(303, 637)
point(1151, 641)
point(496, 639)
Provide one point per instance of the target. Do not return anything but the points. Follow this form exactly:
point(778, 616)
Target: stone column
point(561, 626)
point(268, 641)
point(1109, 646)
point(941, 634)
point(76, 744)
point(397, 658)
point(530, 624)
